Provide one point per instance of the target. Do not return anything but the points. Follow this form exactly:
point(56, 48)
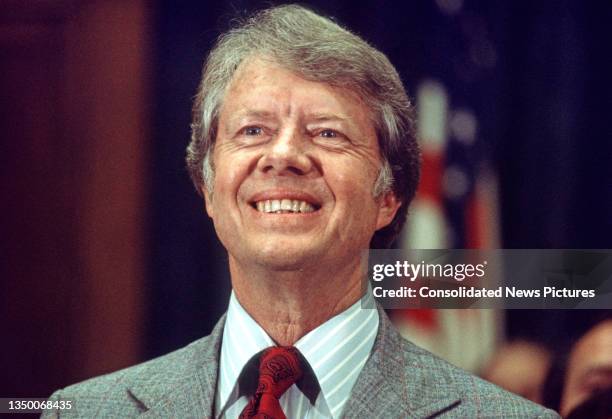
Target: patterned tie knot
point(279, 369)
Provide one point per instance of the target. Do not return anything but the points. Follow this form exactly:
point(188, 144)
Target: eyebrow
point(239, 117)
point(319, 117)
point(253, 113)
point(264, 114)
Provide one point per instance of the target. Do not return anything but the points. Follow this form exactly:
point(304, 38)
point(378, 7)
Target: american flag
point(455, 207)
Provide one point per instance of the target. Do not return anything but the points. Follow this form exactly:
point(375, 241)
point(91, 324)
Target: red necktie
point(279, 369)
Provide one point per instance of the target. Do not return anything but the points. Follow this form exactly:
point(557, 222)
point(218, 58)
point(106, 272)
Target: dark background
point(109, 258)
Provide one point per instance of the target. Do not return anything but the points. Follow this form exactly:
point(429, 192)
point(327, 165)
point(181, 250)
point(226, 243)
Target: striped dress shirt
point(336, 351)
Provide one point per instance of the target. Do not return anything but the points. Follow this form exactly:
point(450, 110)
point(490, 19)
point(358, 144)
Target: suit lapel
point(392, 384)
point(395, 382)
point(193, 398)
point(189, 390)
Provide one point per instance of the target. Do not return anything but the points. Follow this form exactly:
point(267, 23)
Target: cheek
point(229, 174)
point(354, 181)
point(354, 200)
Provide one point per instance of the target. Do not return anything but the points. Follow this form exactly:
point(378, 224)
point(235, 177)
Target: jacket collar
point(188, 391)
point(395, 383)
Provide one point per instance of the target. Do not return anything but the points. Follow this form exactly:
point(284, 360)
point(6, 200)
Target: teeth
point(286, 205)
point(278, 206)
point(306, 207)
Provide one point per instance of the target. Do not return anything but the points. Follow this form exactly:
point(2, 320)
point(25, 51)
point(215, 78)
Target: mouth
point(284, 206)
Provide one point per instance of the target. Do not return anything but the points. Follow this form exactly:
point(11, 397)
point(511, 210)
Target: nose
point(287, 154)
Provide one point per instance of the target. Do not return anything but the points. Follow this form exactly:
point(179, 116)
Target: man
point(303, 147)
point(589, 369)
point(520, 366)
point(581, 377)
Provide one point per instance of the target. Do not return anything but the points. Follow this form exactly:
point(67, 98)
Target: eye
point(328, 133)
point(331, 138)
point(252, 131)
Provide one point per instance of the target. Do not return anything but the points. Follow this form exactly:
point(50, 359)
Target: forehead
point(260, 83)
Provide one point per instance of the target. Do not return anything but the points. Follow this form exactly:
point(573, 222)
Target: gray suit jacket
point(399, 380)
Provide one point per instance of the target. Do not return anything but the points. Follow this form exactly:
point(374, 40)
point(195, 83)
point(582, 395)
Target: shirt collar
point(335, 350)
point(243, 338)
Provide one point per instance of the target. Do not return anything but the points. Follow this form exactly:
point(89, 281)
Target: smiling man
point(303, 148)
point(292, 195)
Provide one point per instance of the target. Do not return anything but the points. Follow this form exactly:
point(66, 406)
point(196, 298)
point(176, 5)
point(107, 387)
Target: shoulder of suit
point(478, 397)
point(111, 392)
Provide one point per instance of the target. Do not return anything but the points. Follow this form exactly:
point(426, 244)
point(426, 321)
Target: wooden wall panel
point(74, 128)
point(37, 235)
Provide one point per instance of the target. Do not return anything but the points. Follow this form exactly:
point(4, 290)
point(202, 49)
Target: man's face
point(295, 166)
point(589, 368)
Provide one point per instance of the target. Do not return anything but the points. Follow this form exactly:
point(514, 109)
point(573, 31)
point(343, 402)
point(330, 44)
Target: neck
point(289, 304)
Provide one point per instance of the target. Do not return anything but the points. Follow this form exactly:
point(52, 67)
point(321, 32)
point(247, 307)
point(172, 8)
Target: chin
point(287, 258)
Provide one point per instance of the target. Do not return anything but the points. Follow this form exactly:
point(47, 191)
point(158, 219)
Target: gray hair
point(317, 49)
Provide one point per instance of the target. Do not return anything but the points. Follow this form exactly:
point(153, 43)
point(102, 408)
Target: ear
point(208, 201)
point(387, 208)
